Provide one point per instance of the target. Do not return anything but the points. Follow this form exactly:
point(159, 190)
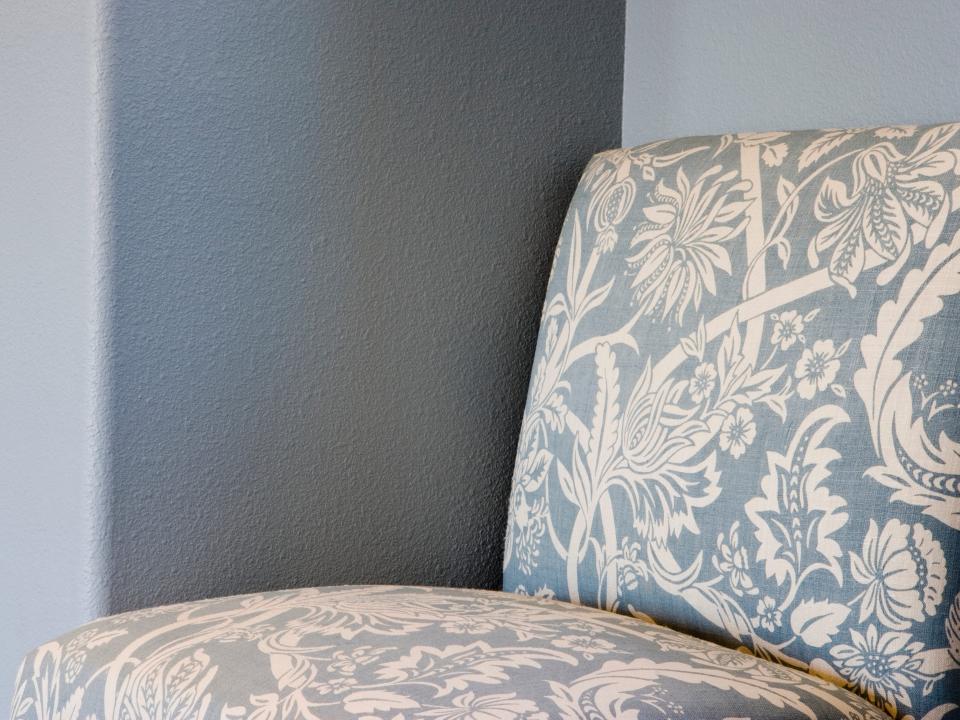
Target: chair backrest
point(744, 415)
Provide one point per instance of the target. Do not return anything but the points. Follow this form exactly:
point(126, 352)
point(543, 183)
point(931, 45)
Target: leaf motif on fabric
point(694, 345)
point(823, 145)
point(952, 628)
point(900, 323)
point(365, 702)
point(922, 471)
point(606, 412)
point(817, 621)
point(797, 514)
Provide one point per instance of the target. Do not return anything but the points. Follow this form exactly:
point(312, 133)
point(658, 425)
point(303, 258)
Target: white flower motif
point(347, 663)
point(632, 567)
point(882, 667)
point(587, 645)
point(610, 205)
point(933, 577)
point(734, 562)
point(773, 155)
point(466, 625)
point(580, 627)
point(529, 521)
point(768, 616)
point(905, 573)
point(682, 243)
point(654, 429)
point(703, 381)
point(738, 431)
point(335, 685)
point(501, 706)
point(817, 368)
point(890, 191)
point(787, 329)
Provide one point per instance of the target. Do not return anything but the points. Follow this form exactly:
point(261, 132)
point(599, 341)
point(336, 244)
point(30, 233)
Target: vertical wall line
point(97, 471)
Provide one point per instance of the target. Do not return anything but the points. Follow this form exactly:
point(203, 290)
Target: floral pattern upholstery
point(744, 416)
point(741, 435)
point(396, 652)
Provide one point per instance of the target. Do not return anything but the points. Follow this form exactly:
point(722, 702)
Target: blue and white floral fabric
point(394, 652)
point(743, 419)
point(743, 424)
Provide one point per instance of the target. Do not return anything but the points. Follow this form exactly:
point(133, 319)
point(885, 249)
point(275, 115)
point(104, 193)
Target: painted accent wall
point(704, 67)
point(331, 225)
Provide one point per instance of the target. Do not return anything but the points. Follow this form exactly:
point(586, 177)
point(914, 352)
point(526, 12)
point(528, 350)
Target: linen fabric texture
point(396, 652)
point(741, 435)
point(743, 416)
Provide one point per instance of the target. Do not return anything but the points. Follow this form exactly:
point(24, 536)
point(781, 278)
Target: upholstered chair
point(737, 487)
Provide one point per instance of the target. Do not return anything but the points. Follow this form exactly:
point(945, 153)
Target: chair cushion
point(744, 414)
point(397, 652)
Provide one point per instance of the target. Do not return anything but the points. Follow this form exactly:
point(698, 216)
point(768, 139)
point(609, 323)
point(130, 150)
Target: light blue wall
point(703, 66)
point(47, 322)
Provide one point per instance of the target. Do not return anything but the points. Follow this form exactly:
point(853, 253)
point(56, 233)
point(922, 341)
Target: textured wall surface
point(702, 67)
point(331, 226)
point(46, 333)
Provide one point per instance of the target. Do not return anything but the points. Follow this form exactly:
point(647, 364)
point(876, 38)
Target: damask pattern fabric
point(743, 417)
point(395, 652)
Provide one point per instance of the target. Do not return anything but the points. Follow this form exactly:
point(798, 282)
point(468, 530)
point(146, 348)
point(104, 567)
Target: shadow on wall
point(331, 227)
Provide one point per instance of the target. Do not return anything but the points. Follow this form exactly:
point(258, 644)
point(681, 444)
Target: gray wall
point(47, 323)
point(331, 224)
point(702, 66)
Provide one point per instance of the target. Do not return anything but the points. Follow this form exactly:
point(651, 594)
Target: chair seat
point(398, 652)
